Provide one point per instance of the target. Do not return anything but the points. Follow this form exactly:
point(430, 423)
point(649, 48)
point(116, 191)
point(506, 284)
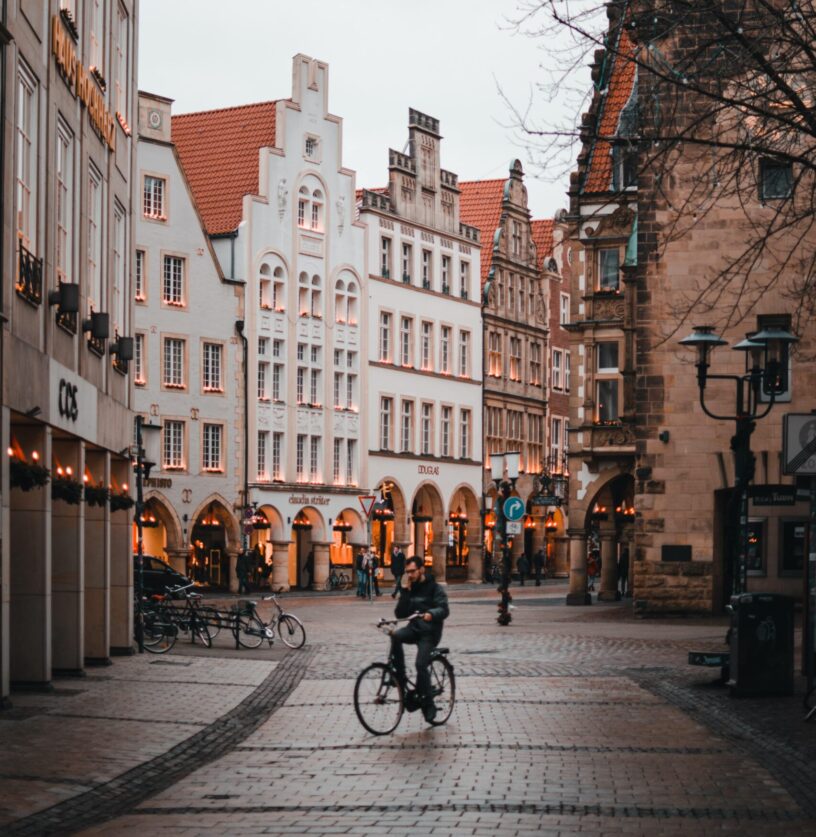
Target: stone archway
point(161, 531)
point(464, 554)
point(429, 535)
point(309, 550)
point(348, 535)
point(215, 540)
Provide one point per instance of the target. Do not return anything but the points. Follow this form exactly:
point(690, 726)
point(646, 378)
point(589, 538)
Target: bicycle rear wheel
point(345, 582)
point(200, 631)
point(327, 585)
point(443, 689)
point(212, 619)
point(379, 700)
point(251, 631)
point(291, 630)
point(158, 637)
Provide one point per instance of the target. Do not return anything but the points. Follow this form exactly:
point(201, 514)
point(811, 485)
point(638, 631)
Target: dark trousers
point(538, 575)
point(243, 585)
point(413, 635)
point(397, 585)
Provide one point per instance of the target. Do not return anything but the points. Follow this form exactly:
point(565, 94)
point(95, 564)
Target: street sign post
point(367, 503)
point(799, 443)
point(513, 527)
point(513, 509)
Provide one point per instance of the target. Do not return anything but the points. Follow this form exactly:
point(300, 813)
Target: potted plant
point(96, 495)
point(27, 475)
point(64, 487)
point(121, 500)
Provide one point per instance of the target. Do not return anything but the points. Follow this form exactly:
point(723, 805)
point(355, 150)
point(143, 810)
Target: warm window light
point(85, 478)
point(69, 470)
point(529, 523)
point(10, 451)
point(35, 456)
point(124, 486)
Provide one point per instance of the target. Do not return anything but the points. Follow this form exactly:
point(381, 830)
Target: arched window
point(272, 284)
point(303, 206)
point(345, 299)
point(316, 218)
point(351, 318)
point(311, 206)
point(278, 290)
point(340, 301)
point(316, 308)
point(303, 295)
point(265, 288)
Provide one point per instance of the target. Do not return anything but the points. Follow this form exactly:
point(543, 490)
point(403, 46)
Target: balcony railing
point(29, 276)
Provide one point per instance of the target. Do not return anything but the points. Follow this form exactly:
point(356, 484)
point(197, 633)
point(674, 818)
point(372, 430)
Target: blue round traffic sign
point(513, 509)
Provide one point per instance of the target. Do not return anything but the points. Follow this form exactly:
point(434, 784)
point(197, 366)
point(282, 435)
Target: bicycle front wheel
point(345, 582)
point(158, 637)
point(379, 700)
point(212, 619)
point(251, 632)
point(200, 631)
point(327, 586)
point(291, 630)
point(443, 689)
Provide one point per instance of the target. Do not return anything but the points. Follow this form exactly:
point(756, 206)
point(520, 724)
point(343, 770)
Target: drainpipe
point(239, 327)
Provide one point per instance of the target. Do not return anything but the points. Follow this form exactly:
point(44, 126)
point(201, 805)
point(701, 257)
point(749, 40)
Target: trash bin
point(761, 644)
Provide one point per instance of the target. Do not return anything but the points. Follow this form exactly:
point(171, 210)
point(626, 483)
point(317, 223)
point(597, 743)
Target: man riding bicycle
point(419, 594)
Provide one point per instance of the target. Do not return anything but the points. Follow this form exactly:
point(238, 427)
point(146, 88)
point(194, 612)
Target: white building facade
point(187, 366)
point(425, 361)
point(281, 219)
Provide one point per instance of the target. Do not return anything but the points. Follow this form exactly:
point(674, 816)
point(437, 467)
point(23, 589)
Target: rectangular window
point(755, 552)
point(139, 377)
point(516, 238)
point(607, 357)
point(535, 447)
point(776, 179)
point(565, 309)
point(173, 373)
point(277, 381)
point(337, 462)
point(211, 447)
point(464, 354)
point(121, 64)
point(446, 283)
point(263, 345)
point(407, 427)
point(515, 359)
point(567, 371)
point(338, 390)
point(350, 385)
point(65, 203)
point(386, 410)
point(314, 459)
point(153, 198)
point(607, 390)
point(445, 350)
point(427, 345)
point(301, 351)
point(427, 429)
point(211, 368)
point(406, 340)
point(464, 434)
point(351, 462)
point(300, 385)
point(173, 445)
point(95, 233)
point(426, 269)
point(557, 366)
point(97, 36)
point(277, 447)
point(385, 257)
point(27, 157)
point(494, 354)
point(535, 364)
point(120, 251)
point(173, 281)
point(446, 431)
point(300, 454)
point(464, 279)
point(263, 444)
point(263, 381)
point(555, 442)
point(140, 292)
point(792, 551)
point(385, 337)
point(407, 258)
point(315, 216)
point(314, 388)
point(608, 269)
point(301, 214)
point(277, 348)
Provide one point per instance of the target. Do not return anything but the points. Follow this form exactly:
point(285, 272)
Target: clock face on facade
point(154, 119)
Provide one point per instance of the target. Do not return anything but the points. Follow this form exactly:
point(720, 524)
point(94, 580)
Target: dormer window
point(311, 149)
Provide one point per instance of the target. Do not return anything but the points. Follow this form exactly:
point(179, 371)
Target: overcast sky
point(446, 58)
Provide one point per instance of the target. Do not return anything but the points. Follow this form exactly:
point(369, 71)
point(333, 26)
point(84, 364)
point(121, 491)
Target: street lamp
point(766, 373)
point(147, 454)
point(499, 463)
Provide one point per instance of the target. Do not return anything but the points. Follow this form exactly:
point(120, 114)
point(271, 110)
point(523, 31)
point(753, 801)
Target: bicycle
point(158, 634)
point(380, 699)
point(250, 630)
point(337, 580)
point(189, 619)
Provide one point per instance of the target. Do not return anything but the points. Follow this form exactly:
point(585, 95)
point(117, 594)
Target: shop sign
point(158, 482)
point(73, 402)
point(430, 470)
point(773, 495)
point(545, 500)
point(80, 80)
point(305, 500)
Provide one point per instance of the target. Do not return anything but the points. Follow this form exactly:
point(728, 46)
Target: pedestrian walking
point(523, 567)
point(308, 569)
point(623, 571)
point(371, 565)
point(359, 566)
point(242, 572)
point(593, 568)
point(538, 565)
point(397, 568)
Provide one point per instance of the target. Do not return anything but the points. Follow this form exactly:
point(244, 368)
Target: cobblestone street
point(570, 720)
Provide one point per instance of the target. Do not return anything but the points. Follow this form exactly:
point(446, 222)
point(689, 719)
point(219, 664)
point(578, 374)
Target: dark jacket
point(424, 597)
point(242, 564)
point(398, 563)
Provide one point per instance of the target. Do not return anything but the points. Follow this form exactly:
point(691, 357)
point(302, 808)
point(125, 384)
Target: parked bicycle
point(250, 630)
point(337, 580)
point(380, 699)
point(163, 618)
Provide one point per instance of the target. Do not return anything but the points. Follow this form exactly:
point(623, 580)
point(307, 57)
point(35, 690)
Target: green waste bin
point(761, 644)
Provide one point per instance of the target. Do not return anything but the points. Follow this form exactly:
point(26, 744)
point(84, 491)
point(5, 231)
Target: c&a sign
point(72, 402)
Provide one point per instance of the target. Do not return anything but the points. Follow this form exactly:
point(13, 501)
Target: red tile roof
point(480, 206)
point(219, 153)
point(542, 232)
point(619, 88)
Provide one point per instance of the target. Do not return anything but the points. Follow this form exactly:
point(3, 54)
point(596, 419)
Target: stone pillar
point(439, 550)
point(232, 561)
point(29, 551)
point(177, 559)
point(320, 571)
point(121, 568)
point(280, 566)
point(609, 570)
point(578, 594)
point(475, 561)
point(97, 567)
point(68, 571)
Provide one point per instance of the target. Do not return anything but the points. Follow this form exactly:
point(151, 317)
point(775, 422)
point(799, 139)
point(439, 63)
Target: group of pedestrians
point(251, 564)
point(538, 566)
point(367, 567)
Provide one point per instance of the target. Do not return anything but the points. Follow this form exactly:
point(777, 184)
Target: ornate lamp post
point(499, 463)
point(147, 454)
point(766, 354)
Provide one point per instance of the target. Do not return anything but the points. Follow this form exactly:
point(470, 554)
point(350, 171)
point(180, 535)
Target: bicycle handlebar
point(383, 622)
point(179, 589)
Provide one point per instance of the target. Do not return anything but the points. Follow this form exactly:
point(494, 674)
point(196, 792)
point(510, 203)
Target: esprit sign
point(67, 402)
point(81, 82)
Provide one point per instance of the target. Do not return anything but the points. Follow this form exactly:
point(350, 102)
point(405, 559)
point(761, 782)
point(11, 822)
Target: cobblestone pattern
point(120, 795)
